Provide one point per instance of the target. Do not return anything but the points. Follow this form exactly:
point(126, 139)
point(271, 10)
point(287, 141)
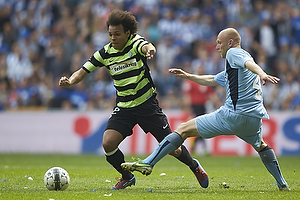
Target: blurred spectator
point(60, 98)
point(19, 67)
point(99, 37)
point(284, 49)
point(58, 65)
point(205, 59)
point(167, 54)
point(103, 91)
point(295, 23)
point(207, 28)
point(265, 39)
point(165, 84)
point(3, 95)
point(271, 93)
point(168, 25)
point(220, 20)
point(294, 59)
point(79, 96)
point(289, 89)
point(9, 35)
point(41, 40)
point(295, 103)
point(149, 29)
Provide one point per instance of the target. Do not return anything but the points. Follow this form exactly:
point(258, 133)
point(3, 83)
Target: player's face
point(222, 45)
point(117, 36)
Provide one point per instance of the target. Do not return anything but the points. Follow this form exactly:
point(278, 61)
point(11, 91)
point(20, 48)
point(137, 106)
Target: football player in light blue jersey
point(241, 114)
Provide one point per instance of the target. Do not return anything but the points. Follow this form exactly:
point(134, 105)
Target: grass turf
point(92, 177)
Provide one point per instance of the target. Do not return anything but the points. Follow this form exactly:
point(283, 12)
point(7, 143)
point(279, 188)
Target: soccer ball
point(56, 178)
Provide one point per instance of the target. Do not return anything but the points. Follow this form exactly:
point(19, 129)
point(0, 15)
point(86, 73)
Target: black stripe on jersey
point(85, 69)
point(102, 52)
point(138, 46)
point(129, 86)
point(233, 83)
point(125, 75)
point(106, 55)
point(137, 95)
point(95, 62)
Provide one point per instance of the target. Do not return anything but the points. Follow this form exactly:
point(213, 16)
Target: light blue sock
point(268, 157)
point(170, 143)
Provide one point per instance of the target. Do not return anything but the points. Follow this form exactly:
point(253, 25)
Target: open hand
point(269, 78)
point(178, 72)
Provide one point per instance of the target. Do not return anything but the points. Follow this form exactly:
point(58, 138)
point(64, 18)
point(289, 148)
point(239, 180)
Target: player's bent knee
point(109, 146)
point(182, 128)
point(187, 129)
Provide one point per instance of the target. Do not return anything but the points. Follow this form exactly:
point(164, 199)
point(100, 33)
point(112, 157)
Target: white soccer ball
point(56, 178)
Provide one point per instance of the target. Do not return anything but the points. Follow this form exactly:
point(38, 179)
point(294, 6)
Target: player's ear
point(127, 33)
point(230, 42)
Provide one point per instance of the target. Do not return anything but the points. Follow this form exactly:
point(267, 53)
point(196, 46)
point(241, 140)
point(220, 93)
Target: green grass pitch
point(92, 177)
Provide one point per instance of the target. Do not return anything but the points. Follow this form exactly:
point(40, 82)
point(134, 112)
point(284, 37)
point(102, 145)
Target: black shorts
point(149, 116)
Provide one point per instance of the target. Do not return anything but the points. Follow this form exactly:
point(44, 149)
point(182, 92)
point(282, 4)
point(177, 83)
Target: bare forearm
point(207, 80)
point(75, 78)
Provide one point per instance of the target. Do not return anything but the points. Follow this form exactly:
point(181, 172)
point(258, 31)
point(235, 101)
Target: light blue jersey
point(243, 87)
point(243, 109)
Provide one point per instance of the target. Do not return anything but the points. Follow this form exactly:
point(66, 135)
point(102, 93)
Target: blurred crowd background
point(42, 40)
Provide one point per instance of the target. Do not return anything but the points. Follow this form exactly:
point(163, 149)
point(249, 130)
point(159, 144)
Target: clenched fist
point(64, 82)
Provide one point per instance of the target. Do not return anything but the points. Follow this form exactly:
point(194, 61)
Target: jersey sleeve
point(139, 42)
point(237, 57)
point(94, 62)
point(220, 78)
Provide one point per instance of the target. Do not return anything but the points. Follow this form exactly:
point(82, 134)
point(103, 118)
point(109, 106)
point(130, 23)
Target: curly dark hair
point(125, 18)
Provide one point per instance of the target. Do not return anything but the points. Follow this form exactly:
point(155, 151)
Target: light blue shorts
point(226, 122)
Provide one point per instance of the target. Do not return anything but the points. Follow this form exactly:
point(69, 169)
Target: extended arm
point(207, 80)
point(75, 78)
point(253, 67)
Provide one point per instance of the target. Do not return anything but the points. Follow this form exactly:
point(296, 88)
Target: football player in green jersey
point(125, 57)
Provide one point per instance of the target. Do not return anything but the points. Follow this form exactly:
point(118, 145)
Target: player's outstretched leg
point(170, 143)
point(268, 157)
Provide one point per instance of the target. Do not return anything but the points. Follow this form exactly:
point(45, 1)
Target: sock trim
point(112, 152)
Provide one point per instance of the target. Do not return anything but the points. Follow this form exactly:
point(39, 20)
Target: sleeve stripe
point(140, 45)
point(95, 62)
point(85, 69)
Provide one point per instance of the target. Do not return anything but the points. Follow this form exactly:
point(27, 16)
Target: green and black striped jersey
point(129, 70)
